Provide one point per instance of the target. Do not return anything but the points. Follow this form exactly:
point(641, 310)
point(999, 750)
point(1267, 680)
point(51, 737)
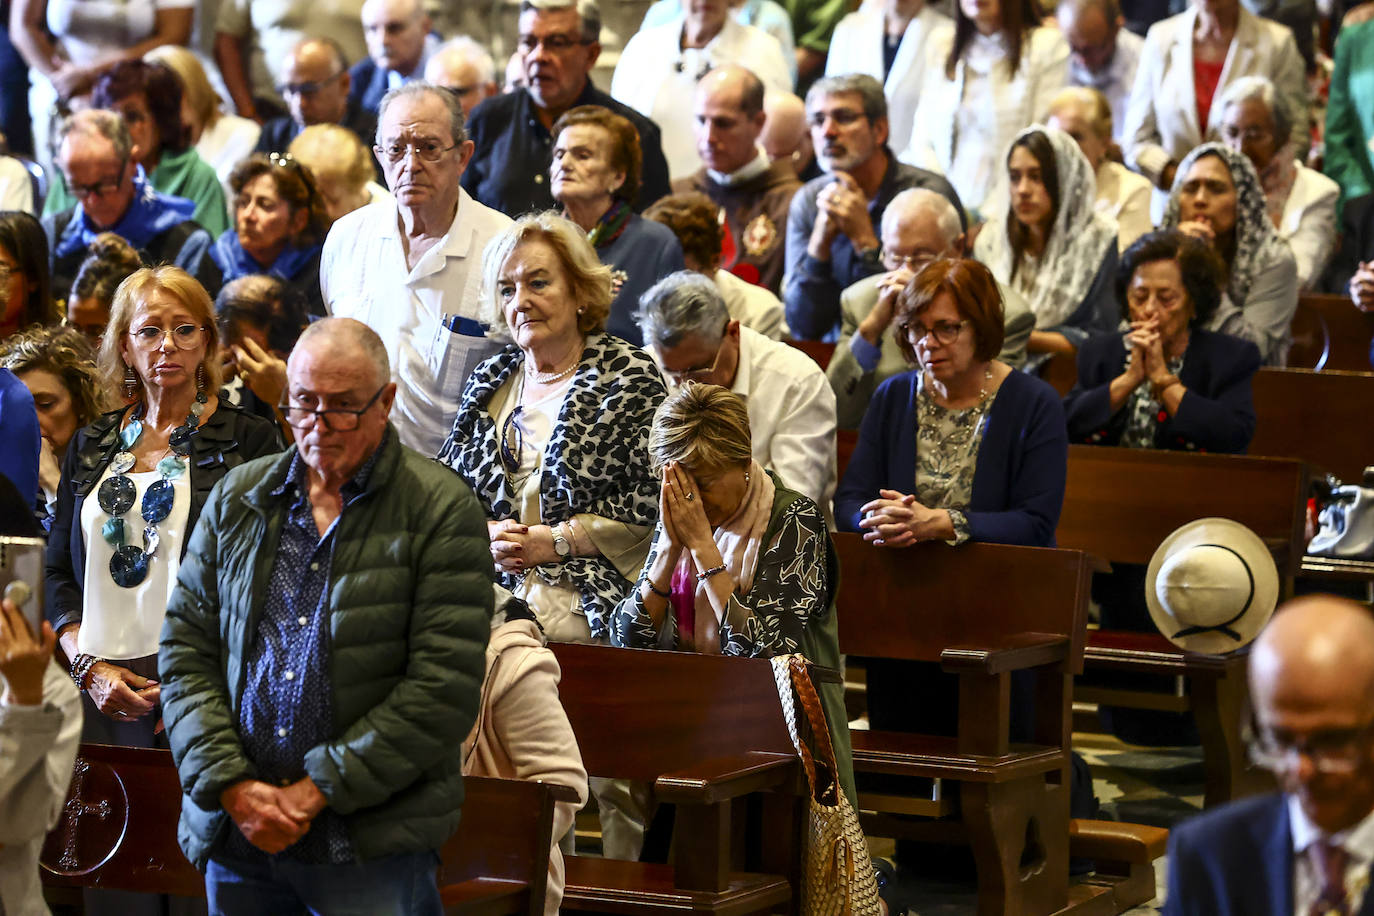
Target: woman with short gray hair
point(1300, 201)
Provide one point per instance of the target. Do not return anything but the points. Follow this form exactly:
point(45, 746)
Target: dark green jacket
point(410, 600)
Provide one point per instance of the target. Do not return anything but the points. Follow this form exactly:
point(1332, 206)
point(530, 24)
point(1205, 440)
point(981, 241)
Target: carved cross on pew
point(77, 808)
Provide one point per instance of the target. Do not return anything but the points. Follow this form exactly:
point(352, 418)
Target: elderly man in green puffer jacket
point(323, 654)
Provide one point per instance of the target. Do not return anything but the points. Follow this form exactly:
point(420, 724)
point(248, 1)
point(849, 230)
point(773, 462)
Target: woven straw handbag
point(838, 877)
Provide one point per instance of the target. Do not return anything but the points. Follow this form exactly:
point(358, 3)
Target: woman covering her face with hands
point(1166, 383)
point(1217, 199)
point(740, 564)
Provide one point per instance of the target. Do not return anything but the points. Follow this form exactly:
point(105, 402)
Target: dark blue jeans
point(402, 885)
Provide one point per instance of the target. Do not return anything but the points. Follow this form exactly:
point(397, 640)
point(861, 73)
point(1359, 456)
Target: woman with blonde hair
point(220, 138)
point(740, 564)
point(134, 482)
point(342, 166)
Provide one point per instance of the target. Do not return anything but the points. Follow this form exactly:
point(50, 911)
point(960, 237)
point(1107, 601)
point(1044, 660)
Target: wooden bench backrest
point(506, 832)
point(119, 827)
point(914, 603)
point(1330, 333)
point(640, 713)
point(1121, 503)
point(817, 350)
point(1315, 417)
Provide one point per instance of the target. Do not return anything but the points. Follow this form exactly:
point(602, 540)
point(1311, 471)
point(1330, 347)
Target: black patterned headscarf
point(1257, 241)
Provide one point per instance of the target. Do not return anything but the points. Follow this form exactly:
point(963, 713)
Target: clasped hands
point(1362, 287)
point(683, 515)
point(898, 520)
point(516, 547)
point(272, 817)
point(842, 207)
point(1148, 363)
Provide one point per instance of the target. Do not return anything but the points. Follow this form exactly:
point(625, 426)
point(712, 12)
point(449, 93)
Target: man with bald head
point(323, 647)
point(399, 42)
point(465, 68)
point(786, 135)
point(752, 191)
point(1105, 54)
point(1307, 849)
point(918, 226)
point(316, 84)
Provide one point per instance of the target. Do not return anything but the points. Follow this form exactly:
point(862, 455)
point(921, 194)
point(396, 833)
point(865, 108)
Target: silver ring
point(120, 712)
point(691, 496)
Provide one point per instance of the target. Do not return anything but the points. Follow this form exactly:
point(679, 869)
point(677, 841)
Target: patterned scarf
point(1077, 242)
point(611, 224)
point(1257, 241)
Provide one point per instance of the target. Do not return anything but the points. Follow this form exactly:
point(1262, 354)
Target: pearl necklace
point(544, 378)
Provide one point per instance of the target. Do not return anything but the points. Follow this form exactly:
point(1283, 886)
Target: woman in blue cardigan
point(962, 448)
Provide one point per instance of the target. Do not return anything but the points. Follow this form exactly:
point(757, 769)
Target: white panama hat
point(1211, 586)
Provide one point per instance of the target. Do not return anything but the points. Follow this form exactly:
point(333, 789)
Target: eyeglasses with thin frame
point(841, 116)
point(336, 419)
point(914, 261)
point(554, 44)
point(428, 150)
point(512, 442)
point(309, 87)
point(1248, 135)
point(184, 336)
point(1337, 752)
point(944, 332)
point(100, 188)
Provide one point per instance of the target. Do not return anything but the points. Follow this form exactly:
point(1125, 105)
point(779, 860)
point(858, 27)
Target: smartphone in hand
point(21, 576)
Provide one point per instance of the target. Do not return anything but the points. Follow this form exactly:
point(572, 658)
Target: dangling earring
point(200, 377)
point(746, 478)
point(130, 382)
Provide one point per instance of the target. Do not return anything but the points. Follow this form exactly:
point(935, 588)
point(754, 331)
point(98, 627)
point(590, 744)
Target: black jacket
point(229, 438)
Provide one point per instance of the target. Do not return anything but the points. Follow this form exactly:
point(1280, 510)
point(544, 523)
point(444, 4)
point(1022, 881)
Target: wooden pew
point(1315, 417)
point(982, 612)
point(1120, 504)
point(1330, 333)
point(118, 832)
point(705, 731)
point(817, 350)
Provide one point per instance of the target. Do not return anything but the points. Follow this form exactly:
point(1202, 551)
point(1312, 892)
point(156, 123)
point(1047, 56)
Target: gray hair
point(457, 125)
point(466, 48)
point(98, 122)
point(916, 201)
point(588, 12)
point(1261, 90)
point(368, 341)
point(866, 87)
point(681, 305)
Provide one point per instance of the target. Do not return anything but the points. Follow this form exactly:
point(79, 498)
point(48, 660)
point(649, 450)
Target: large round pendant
point(157, 500)
point(180, 439)
point(116, 495)
point(128, 566)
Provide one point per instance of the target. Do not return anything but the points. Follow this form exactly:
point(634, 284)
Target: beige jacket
point(522, 732)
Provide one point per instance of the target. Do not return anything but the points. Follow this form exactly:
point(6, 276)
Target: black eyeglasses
point(555, 44)
point(336, 419)
point(308, 88)
point(100, 188)
point(512, 442)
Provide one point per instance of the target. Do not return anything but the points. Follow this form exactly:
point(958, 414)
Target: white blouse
point(125, 623)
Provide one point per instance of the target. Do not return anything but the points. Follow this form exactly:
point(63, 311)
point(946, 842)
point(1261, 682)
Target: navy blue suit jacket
point(1236, 860)
point(367, 85)
point(1018, 480)
point(1217, 413)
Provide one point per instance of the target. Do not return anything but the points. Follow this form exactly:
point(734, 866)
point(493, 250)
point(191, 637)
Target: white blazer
point(1020, 99)
point(1161, 119)
point(857, 47)
point(1308, 223)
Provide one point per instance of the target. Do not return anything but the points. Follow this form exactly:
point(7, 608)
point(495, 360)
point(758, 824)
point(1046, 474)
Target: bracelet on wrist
point(703, 576)
point(657, 591)
point(81, 668)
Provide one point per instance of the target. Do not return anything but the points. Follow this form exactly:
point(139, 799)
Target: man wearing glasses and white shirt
point(412, 270)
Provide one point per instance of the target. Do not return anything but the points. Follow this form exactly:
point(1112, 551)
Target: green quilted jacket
point(410, 602)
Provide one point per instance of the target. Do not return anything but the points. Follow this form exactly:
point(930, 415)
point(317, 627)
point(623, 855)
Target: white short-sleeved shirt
point(363, 275)
point(91, 29)
point(125, 623)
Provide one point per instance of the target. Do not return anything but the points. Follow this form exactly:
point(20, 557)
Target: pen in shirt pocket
point(465, 326)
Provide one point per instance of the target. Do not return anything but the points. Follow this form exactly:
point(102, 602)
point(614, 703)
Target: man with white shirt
point(752, 192)
point(791, 408)
point(1307, 849)
point(413, 271)
point(399, 42)
point(1104, 54)
point(918, 227)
